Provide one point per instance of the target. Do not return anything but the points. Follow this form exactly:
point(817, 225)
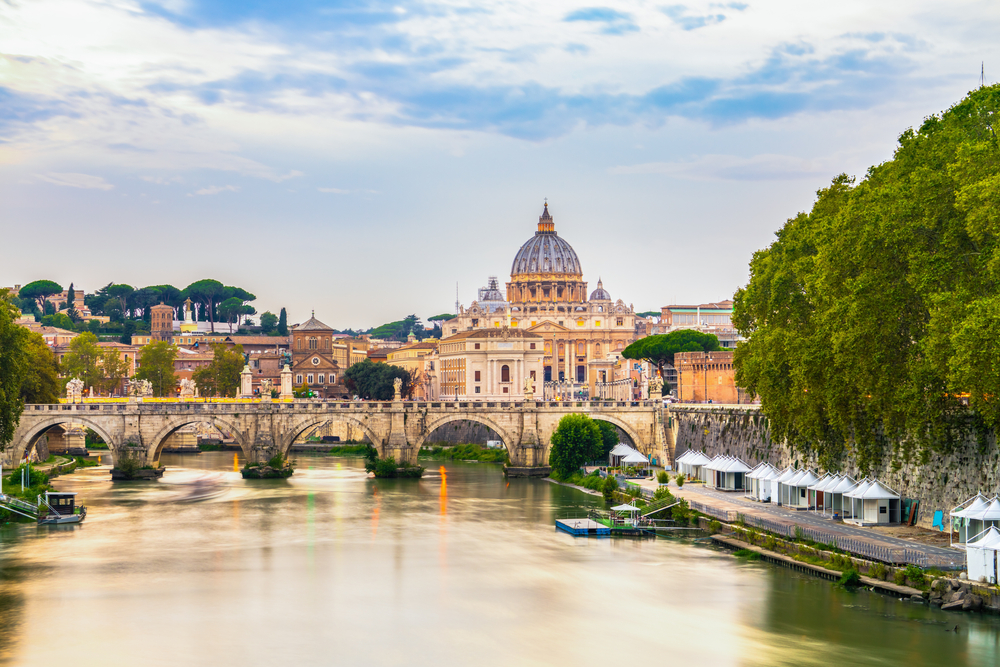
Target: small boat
point(59, 508)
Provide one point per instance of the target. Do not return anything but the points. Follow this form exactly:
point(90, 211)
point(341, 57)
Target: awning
point(977, 504)
point(625, 508)
point(988, 540)
point(828, 480)
point(807, 479)
point(990, 513)
point(788, 474)
point(697, 459)
point(635, 457)
point(862, 486)
point(878, 491)
point(845, 485)
point(621, 449)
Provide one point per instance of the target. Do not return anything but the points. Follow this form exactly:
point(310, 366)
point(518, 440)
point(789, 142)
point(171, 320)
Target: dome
point(600, 294)
point(546, 252)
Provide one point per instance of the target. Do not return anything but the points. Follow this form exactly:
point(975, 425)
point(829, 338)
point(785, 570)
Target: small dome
point(546, 252)
point(600, 294)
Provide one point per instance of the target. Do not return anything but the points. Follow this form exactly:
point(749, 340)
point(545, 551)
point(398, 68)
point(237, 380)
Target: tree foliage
point(872, 315)
point(283, 323)
point(83, 361)
point(576, 440)
point(14, 360)
point(660, 349)
point(40, 290)
point(373, 381)
point(156, 364)
point(41, 377)
point(609, 437)
point(222, 376)
point(268, 322)
point(208, 292)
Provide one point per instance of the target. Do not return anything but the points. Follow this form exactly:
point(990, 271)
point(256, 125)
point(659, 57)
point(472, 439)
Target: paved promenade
point(922, 554)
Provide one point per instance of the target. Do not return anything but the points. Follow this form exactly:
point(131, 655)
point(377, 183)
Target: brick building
point(707, 377)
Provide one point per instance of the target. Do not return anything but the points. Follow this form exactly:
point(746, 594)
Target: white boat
point(59, 508)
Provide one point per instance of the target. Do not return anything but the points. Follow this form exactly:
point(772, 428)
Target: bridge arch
point(506, 438)
point(304, 424)
point(36, 430)
point(155, 446)
point(638, 442)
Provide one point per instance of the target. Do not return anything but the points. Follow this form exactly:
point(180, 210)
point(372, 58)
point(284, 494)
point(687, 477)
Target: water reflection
point(461, 567)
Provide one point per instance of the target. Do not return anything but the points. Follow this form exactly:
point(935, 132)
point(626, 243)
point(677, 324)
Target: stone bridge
point(397, 428)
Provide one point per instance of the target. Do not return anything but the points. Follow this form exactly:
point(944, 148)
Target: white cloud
point(215, 189)
point(734, 168)
point(336, 191)
point(84, 181)
point(289, 175)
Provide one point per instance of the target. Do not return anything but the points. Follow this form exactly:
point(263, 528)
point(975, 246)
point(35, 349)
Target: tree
point(576, 440)
point(374, 381)
point(121, 293)
point(282, 323)
point(113, 368)
point(268, 322)
point(443, 317)
point(222, 376)
point(95, 302)
point(83, 361)
point(609, 437)
point(156, 364)
point(661, 348)
point(206, 292)
point(71, 310)
point(60, 320)
point(40, 291)
point(872, 317)
point(230, 311)
point(14, 363)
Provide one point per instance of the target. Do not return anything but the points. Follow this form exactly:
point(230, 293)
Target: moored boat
point(59, 508)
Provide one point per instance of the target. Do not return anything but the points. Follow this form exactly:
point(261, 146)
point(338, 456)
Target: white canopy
point(988, 540)
point(858, 490)
point(625, 508)
point(843, 486)
point(772, 475)
point(635, 457)
point(978, 504)
point(761, 471)
point(733, 464)
point(878, 491)
point(621, 449)
point(806, 479)
point(788, 474)
point(989, 513)
point(827, 480)
point(697, 459)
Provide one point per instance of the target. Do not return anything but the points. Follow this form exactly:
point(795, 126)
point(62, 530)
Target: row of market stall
point(868, 501)
point(976, 522)
point(627, 456)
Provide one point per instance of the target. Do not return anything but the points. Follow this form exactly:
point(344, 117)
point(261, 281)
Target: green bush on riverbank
point(348, 450)
point(469, 452)
point(38, 484)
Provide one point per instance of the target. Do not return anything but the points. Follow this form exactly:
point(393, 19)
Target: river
point(458, 568)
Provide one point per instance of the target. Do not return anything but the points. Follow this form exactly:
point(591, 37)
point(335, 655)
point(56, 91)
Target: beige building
point(416, 358)
point(548, 297)
point(487, 365)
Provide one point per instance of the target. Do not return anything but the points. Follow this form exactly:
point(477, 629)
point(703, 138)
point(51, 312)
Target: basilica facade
point(581, 335)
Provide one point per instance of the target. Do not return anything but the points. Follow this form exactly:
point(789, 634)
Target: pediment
point(547, 326)
point(323, 363)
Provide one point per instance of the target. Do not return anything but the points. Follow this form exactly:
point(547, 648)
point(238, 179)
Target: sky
point(362, 159)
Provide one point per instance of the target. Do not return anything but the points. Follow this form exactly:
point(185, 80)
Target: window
point(597, 323)
point(579, 322)
point(475, 322)
point(505, 373)
point(477, 346)
point(532, 375)
point(312, 342)
point(505, 389)
point(620, 321)
point(454, 331)
point(882, 509)
point(477, 390)
point(478, 378)
point(532, 346)
point(298, 344)
point(322, 378)
point(298, 379)
point(333, 378)
point(581, 373)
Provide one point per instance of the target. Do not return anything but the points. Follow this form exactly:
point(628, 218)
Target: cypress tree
point(283, 323)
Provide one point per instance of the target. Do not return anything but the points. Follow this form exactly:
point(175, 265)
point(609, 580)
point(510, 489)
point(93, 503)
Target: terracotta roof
point(312, 324)
point(258, 340)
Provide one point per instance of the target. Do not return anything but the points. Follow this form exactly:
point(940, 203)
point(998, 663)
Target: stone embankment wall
point(943, 483)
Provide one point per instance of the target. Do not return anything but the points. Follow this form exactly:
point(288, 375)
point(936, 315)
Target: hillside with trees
point(873, 318)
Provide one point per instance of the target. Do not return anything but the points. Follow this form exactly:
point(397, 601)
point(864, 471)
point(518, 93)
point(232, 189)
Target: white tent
point(618, 452)
point(960, 519)
point(815, 491)
point(799, 489)
point(630, 510)
point(981, 556)
point(981, 520)
point(776, 483)
point(786, 486)
point(693, 463)
point(727, 473)
point(767, 482)
point(757, 479)
point(834, 494)
point(635, 459)
point(874, 502)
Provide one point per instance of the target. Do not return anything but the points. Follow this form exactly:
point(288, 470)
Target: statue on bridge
point(397, 386)
point(529, 388)
point(187, 388)
point(74, 390)
point(655, 388)
point(139, 388)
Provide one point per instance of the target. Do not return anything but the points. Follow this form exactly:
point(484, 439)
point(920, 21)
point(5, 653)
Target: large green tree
point(41, 379)
point(373, 381)
point(156, 364)
point(14, 361)
point(268, 322)
point(83, 361)
point(40, 291)
point(660, 349)
point(222, 376)
point(283, 323)
point(576, 440)
point(121, 293)
point(871, 317)
point(609, 437)
point(208, 292)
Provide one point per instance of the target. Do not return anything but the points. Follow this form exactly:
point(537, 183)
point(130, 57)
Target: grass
point(747, 554)
point(348, 450)
point(593, 481)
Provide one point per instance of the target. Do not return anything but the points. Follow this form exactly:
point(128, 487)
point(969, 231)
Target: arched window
point(597, 350)
point(505, 373)
point(312, 342)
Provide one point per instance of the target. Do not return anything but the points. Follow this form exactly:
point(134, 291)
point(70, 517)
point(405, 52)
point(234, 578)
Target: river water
point(458, 568)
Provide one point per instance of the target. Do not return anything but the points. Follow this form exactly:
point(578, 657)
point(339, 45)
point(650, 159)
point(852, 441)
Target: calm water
point(459, 568)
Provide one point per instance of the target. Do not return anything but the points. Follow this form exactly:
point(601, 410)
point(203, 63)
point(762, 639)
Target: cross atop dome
point(545, 223)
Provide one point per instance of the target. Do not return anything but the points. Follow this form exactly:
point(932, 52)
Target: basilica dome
point(600, 294)
point(546, 253)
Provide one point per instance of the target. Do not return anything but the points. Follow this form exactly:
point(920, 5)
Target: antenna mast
point(456, 299)
point(982, 74)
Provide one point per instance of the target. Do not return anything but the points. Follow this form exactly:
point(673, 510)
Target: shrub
point(877, 571)
point(714, 526)
point(748, 554)
point(915, 574)
point(680, 480)
point(663, 493)
point(899, 576)
point(662, 477)
point(608, 488)
point(681, 512)
point(277, 461)
point(850, 579)
point(770, 543)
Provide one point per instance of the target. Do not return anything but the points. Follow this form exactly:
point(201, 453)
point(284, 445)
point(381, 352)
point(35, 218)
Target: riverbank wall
point(941, 483)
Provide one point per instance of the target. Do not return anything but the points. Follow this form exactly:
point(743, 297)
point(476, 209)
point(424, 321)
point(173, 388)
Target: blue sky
point(361, 158)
